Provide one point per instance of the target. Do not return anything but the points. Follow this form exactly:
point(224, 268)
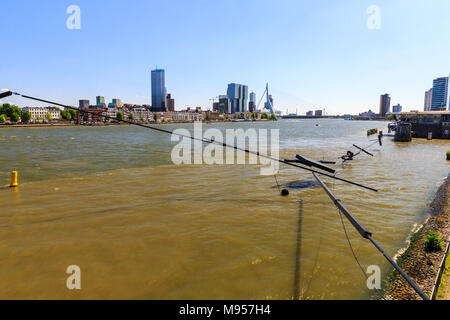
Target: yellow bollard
point(14, 183)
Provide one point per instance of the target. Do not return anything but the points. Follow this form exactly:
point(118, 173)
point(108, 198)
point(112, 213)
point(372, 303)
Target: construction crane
point(213, 100)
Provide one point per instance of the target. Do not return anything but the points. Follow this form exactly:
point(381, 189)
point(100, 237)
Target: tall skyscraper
point(224, 105)
point(252, 102)
point(385, 104)
point(244, 99)
point(428, 97)
point(159, 93)
point(100, 100)
point(440, 94)
point(238, 96)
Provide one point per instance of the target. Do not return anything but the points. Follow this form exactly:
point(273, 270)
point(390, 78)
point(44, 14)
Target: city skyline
point(307, 65)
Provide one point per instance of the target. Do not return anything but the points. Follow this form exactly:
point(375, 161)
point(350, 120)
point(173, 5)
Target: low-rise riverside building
point(140, 114)
point(185, 116)
point(436, 122)
point(39, 114)
point(111, 113)
point(95, 115)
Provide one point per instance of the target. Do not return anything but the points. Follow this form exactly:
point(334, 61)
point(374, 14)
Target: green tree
point(131, 117)
point(73, 114)
point(68, 116)
point(15, 117)
point(119, 115)
point(155, 117)
point(273, 117)
point(26, 116)
point(4, 107)
point(2, 118)
point(48, 116)
point(9, 110)
point(264, 116)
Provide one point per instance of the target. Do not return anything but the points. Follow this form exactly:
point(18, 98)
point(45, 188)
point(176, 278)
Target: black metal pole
point(368, 235)
point(397, 267)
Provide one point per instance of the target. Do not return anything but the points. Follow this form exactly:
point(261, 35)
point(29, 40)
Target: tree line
point(15, 114)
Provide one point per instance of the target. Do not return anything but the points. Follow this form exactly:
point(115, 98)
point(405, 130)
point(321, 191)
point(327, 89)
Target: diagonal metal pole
point(366, 234)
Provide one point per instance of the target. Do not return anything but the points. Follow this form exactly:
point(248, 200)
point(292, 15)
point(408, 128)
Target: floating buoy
point(14, 183)
point(285, 192)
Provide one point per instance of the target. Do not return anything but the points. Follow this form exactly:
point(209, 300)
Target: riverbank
point(38, 125)
point(46, 125)
point(423, 267)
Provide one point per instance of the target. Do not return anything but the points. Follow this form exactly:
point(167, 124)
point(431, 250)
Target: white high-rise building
point(252, 102)
point(428, 98)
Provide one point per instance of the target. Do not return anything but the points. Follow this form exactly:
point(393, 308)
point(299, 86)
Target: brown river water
point(109, 200)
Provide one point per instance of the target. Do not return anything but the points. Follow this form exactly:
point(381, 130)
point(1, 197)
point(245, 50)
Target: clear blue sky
point(314, 54)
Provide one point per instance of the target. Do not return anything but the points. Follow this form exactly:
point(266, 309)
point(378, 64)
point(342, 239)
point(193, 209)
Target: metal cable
point(351, 247)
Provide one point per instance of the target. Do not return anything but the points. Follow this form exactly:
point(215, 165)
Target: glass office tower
point(159, 93)
point(440, 94)
point(238, 96)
